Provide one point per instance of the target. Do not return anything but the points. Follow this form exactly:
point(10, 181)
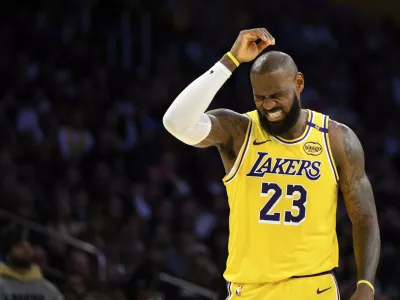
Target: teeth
point(275, 114)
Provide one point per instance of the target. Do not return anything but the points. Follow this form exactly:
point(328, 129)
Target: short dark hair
point(274, 61)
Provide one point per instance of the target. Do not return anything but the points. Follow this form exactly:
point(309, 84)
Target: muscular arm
point(186, 118)
point(226, 126)
point(358, 197)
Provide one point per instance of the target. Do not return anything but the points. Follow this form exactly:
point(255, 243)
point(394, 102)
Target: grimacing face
point(277, 98)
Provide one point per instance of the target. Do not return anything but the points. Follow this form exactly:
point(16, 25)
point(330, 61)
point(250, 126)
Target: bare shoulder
point(345, 145)
point(227, 126)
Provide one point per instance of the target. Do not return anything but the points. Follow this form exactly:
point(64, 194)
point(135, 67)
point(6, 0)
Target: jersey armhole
point(239, 159)
point(328, 149)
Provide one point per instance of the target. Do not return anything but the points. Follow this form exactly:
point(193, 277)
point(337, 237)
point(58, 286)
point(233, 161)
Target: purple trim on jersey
point(229, 288)
point(314, 275)
point(337, 287)
point(328, 150)
point(322, 129)
point(244, 151)
point(296, 141)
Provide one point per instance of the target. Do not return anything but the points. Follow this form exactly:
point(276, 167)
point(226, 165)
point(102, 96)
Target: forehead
point(271, 83)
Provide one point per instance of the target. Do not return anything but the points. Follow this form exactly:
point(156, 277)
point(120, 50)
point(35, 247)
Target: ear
point(299, 82)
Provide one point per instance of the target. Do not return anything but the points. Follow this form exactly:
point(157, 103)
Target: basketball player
point(284, 166)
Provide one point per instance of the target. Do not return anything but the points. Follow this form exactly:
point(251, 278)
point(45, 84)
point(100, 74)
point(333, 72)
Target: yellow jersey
point(283, 197)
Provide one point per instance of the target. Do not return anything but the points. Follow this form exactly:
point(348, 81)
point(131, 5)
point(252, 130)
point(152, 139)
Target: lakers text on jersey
point(283, 198)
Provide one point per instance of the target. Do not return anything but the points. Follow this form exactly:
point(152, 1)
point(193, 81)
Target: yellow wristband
point(233, 59)
point(367, 283)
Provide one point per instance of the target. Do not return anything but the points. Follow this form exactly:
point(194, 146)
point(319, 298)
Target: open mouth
point(274, 116)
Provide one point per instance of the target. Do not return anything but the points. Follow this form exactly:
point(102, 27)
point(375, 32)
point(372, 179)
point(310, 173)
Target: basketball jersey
point(283, 197)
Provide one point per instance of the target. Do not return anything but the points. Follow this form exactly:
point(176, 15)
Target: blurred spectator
point(79, 264)
point(145, 282)
point(20, 277)
point(74, 139)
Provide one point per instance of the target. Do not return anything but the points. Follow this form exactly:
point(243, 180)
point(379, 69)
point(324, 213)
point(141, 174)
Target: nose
point(268, 104)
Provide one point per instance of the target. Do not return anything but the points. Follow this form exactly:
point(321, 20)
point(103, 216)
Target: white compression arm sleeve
point(185, 118)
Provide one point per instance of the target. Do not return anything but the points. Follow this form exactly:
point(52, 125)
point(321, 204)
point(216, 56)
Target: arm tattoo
point(360, 204)
point(226, 126)
point(227, 134)
point(350, 182)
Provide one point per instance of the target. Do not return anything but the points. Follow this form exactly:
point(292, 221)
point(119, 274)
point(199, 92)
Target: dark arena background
point(116, 208)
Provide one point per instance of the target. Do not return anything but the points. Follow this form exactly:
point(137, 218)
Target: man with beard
point(19, 277)
point(284, 167)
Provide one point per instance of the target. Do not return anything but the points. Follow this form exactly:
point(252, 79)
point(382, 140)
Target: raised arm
point(360, 204)
point(186, 118)
point(226, 125)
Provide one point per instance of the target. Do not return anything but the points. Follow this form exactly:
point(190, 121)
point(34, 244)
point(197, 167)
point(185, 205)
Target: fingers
point(255, 34)
point(258, 33)
point(262, 45)
point(270, 37)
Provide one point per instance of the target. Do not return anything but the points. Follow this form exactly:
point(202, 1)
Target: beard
point(283, 126)
point(19, 263)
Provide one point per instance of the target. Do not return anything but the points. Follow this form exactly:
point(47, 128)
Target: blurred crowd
point(83, 87)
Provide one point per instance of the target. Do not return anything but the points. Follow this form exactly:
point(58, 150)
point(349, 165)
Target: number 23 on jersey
point(291, 192)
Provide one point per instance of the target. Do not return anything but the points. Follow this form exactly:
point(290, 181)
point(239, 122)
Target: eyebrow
point(273, 94)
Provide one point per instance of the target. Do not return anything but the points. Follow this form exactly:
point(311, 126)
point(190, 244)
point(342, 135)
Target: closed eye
point(275, 96)
point(278, 96)
point(259, 98)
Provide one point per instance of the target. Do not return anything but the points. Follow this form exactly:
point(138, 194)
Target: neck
point(298, 129)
